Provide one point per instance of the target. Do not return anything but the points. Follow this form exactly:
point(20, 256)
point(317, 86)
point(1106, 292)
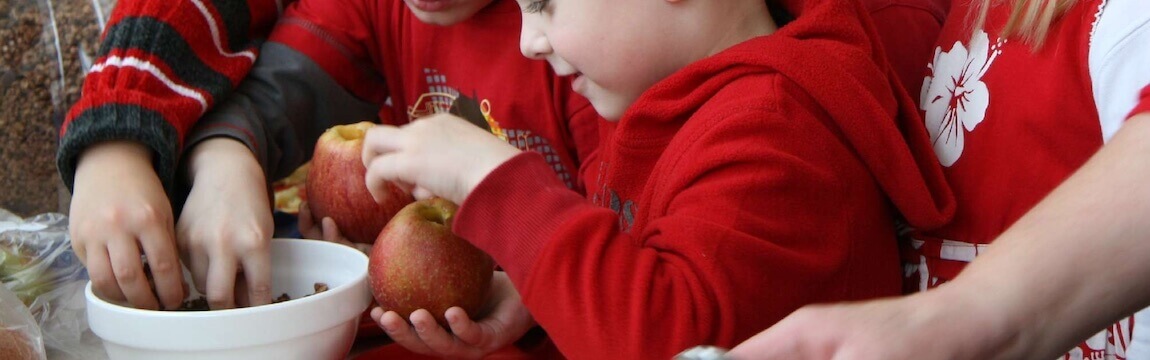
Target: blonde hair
point(1029, 19)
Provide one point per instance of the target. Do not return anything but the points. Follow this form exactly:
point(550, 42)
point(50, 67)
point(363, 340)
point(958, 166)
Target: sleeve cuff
point(120, 122)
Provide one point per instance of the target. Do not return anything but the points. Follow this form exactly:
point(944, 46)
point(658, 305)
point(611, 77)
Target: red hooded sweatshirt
point(746, 185)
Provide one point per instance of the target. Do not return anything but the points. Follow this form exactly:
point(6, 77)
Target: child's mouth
point(577, 82)
point(429, 5)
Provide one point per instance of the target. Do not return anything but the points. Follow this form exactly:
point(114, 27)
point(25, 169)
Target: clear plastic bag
point(38, 266)
point(19, 335)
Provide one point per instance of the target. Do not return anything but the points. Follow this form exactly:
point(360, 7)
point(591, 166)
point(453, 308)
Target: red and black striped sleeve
point(161, 65)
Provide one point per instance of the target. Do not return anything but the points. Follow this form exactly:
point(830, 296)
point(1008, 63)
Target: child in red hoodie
point(748, 167)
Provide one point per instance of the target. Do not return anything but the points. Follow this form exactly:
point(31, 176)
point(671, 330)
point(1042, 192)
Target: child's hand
point(506, 321)
point(326, 230)
point(226, 225)
point(119, 211)
point(442, 154)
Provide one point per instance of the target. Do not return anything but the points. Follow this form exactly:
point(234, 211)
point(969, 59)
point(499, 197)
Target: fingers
point(257, 271)
point(462, 327)
point(331, 232)
point(381, 170)
point(221, 282)
point(307, 225)
point(103, 279)
point(379, 140)
point(402, 333)
point(376, 313)
point(432, 335)
point(197, 263)
point(379, 146)
point(420, 193)
point(164, 265)
point(129, 272)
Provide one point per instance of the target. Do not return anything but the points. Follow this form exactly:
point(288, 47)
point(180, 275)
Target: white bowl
point(320, 326)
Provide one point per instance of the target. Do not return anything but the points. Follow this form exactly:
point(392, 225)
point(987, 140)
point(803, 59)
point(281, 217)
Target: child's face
point(445, 12)
point(616, 49)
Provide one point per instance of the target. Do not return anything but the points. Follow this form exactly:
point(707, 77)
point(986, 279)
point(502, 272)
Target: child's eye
point(536, 6)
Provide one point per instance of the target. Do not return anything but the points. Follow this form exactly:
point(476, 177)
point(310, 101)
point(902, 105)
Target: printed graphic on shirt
point(441, 98)
point(607, 198)
point(953, 94)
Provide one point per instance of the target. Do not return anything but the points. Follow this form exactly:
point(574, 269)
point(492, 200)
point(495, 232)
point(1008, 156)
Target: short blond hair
point(1029, 19)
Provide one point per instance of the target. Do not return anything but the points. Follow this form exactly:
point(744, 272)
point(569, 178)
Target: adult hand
point(506, 321)
point(441, 155)
point(119, 211)
point(226, 225)
point(922, 326)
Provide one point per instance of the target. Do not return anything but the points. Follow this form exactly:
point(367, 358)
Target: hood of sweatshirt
point(832, 51)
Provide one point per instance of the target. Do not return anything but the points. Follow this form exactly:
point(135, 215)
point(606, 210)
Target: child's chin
point(441, 12)
point(609, 111)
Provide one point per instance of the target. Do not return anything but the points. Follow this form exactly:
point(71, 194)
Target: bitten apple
point(418, 263)
point(336, 189)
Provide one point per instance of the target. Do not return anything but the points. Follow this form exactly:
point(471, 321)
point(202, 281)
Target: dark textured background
point(34, 99)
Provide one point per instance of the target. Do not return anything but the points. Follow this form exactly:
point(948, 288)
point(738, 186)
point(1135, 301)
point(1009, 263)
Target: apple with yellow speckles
point(418, 263)
point(336, 187)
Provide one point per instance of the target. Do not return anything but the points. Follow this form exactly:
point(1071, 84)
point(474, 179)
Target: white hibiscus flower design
point(954, 96)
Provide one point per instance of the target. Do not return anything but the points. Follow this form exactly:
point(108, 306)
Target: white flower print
point(953, 94)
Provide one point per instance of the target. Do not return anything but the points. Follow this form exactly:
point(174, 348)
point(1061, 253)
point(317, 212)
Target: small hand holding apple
point(326, 230)
point(226, 225)
point(506, 320)
point(442, 153)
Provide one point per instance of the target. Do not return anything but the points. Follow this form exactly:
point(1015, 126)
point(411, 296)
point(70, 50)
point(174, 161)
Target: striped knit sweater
point(161, 65)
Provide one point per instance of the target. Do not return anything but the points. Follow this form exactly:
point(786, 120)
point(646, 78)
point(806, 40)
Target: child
point(1040, 111)
point(748, 169)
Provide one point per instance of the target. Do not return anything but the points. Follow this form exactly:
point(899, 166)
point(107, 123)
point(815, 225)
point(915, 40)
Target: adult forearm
point(1077, 261)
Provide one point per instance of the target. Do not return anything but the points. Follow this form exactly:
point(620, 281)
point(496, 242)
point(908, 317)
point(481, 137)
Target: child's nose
point(533, 43)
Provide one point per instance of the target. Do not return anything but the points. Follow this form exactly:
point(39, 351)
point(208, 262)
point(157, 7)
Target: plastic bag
point(48, 46)
point(19, 335)
point(38, 266)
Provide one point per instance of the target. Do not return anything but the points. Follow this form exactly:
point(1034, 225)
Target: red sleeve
point(745, 234)
point(908, 30)
point(160, 66)
point(1143, 103)
point(341, 36)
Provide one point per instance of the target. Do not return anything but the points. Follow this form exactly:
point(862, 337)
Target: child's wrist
point(222, 156)
point(119, 154)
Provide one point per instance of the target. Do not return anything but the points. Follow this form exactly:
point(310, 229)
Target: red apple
point(14, 345)
point(418, 263)
point(336, 189)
